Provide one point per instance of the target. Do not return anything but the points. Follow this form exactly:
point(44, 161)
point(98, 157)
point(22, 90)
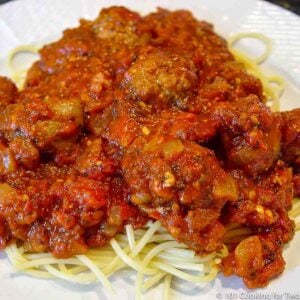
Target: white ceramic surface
point(40, 21)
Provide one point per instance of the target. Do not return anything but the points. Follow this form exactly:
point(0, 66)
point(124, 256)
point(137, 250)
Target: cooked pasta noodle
point(18, 75)
point(273, 85)
point(161, 257)
point(155, 260)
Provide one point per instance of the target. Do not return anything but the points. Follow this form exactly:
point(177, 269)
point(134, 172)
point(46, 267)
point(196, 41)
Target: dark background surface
point(293, 5)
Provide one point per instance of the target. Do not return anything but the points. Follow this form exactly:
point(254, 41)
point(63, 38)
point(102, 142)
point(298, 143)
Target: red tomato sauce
point(127, 119)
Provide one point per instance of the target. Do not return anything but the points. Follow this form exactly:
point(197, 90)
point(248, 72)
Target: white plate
point(40, 21)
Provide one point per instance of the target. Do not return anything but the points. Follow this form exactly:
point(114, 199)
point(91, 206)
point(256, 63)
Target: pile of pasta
point(151, 251)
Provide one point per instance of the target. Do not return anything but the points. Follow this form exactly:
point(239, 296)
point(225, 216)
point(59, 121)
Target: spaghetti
point(18, 75)
point(273, 85)
point(151, 251)
point(160, 257)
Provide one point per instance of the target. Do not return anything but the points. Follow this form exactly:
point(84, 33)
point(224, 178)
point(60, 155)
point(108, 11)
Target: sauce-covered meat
point(250, 133)
point(181, 184)
point(127, 119)
point(161, 78)
point(291, 137)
